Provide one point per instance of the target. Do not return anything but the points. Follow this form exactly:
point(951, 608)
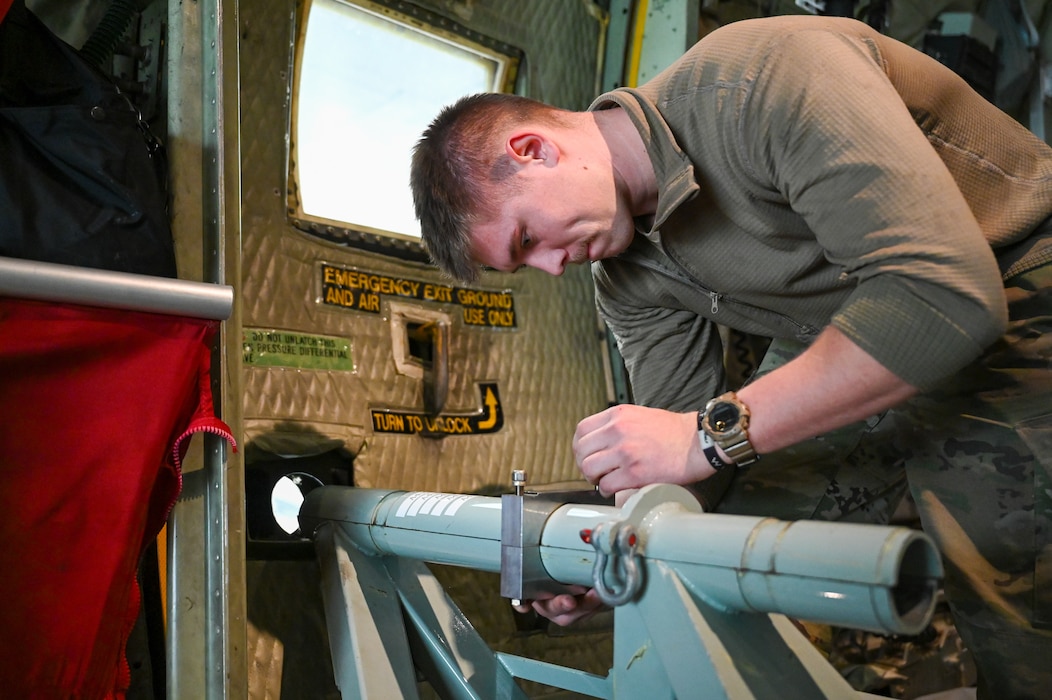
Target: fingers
point(626, 447)
point(595, 448)
point(565, 609)
point(543, 596)
point(593, 423)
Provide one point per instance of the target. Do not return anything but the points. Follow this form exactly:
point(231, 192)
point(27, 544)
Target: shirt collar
point(672, 168)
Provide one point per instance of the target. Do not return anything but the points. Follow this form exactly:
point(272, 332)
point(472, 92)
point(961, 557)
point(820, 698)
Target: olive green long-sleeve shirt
point(813, 172)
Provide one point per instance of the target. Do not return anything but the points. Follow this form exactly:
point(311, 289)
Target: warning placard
point(489, 420)
point(267, 347)
point(361, 290)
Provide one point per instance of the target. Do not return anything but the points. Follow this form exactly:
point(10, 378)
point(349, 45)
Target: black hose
point(99, 47)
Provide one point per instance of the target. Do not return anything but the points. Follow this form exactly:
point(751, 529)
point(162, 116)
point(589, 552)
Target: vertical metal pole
point(216, 558)
point(226, 653)
point(207, 633)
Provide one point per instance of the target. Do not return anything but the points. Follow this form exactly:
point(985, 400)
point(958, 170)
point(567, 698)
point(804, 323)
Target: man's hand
point(566, 608)
point(831, 384)
point(628, 446)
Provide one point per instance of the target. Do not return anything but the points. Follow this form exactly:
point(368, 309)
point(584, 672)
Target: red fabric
point(5, 5)
point(95, 408)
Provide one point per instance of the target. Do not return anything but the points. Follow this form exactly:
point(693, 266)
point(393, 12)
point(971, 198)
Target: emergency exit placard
point(361, 290)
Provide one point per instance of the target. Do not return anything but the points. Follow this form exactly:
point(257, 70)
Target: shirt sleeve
point(826, 127)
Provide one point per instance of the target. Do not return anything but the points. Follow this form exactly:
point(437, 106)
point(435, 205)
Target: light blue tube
point(441, 528)
point(861, 576)
point(852, 575)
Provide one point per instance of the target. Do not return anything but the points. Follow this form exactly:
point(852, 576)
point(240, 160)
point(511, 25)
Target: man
point(810, 180)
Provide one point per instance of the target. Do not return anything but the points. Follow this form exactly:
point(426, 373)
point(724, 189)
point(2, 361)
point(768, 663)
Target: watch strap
point(741, 452)
point(708, 447)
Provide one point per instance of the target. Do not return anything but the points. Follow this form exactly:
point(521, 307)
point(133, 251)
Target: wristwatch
point(726, 421)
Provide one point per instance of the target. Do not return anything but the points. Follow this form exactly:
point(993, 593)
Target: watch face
point(723, 416)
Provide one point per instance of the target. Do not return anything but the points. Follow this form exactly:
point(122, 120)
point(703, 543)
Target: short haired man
point(810, 180)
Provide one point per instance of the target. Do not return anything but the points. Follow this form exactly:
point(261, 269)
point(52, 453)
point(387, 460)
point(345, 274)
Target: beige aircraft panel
point(325, 350)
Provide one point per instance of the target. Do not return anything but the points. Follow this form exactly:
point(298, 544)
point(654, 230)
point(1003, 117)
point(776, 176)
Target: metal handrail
point(41, 281)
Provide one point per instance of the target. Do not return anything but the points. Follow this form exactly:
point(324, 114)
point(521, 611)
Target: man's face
point(559, 216)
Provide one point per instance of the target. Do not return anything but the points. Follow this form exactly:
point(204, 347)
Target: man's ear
point(526, 146)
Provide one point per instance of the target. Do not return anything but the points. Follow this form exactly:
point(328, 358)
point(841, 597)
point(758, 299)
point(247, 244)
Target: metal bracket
point(522, 520)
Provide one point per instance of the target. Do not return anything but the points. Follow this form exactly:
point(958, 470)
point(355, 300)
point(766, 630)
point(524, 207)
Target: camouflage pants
point(976, 454)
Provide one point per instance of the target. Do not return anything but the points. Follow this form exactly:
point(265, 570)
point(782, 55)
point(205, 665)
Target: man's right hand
point(565, 608)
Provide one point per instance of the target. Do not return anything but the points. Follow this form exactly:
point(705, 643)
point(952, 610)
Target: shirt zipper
point(680, 272)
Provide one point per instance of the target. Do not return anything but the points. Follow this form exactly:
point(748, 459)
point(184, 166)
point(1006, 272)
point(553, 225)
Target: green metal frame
point(711, 612)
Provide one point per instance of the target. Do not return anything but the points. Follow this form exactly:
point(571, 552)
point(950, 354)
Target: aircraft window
point(368, 79)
